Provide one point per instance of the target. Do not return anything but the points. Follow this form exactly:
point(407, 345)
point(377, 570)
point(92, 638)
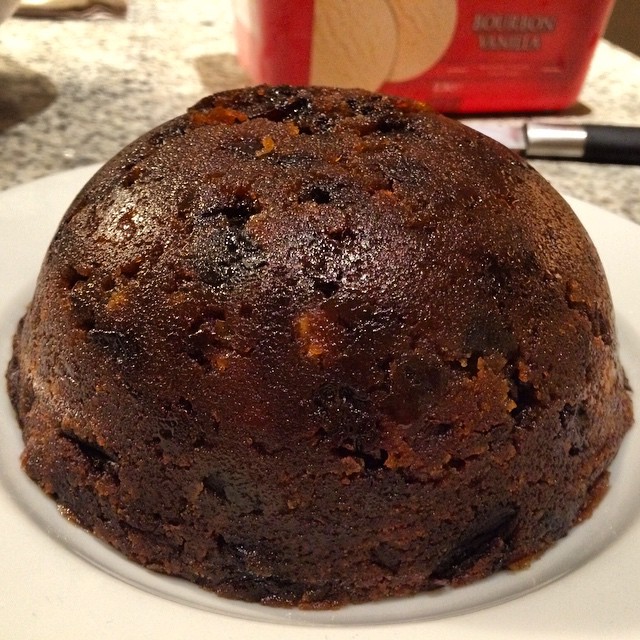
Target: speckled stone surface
point(75, 92)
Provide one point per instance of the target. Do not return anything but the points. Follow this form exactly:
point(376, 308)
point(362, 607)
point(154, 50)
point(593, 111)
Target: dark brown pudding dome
point(311, 346)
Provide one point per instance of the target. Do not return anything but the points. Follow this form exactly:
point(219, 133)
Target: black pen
point(586, 142)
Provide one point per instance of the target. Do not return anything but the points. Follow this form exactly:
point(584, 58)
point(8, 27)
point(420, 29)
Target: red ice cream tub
point(460, 56)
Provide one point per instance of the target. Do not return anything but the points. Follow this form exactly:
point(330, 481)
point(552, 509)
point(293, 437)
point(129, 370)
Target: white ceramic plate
point(57, 581)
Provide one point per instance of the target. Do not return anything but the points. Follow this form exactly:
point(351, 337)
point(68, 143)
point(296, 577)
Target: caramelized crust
point(312, 346)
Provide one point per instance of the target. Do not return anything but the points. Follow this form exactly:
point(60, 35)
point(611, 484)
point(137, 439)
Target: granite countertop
point(73, 92)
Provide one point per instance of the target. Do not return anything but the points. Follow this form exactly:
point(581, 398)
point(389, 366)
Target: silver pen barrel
point(554, 140)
